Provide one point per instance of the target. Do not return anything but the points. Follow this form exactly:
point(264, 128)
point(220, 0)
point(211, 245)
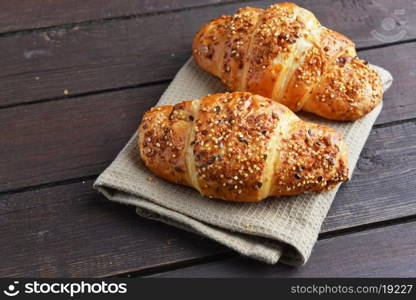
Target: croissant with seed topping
point(285, 54)
point(241, 147)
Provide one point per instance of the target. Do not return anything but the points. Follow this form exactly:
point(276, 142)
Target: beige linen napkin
point(276, 229)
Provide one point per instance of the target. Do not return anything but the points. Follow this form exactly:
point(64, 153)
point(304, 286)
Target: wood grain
point(70, 230)
point(73, 138)
point(127, 52)
point(31, 14)
point(399, 101)
point(382, 186)
point(384, 252)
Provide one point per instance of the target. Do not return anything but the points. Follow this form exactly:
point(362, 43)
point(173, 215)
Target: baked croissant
point(285, 54)
point(241, 147)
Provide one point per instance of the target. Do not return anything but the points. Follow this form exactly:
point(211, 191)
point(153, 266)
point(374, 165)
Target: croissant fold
point(241, 147)
point(285, 54)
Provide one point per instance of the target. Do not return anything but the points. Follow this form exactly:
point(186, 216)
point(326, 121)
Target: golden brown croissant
point(241, 147)
point(285, 54)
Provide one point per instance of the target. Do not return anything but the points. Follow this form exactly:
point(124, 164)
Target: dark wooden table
point(75, 79)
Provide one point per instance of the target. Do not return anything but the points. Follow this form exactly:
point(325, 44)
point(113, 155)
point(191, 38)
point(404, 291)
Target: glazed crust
point(241, 147)
point(285, 54)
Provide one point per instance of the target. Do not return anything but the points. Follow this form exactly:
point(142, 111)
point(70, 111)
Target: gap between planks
point(86, 94)
point(215, 256)
point(383, 252)
point(231, 254)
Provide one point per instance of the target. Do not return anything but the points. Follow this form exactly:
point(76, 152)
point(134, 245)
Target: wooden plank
point(399, 101)
point(31, 14)
point(128, 52)
point(72, 231)
point(384, 252)
point(76, 137)
point(383, 185)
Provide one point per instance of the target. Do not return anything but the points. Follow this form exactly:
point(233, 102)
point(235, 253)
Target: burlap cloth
point(276, 229)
